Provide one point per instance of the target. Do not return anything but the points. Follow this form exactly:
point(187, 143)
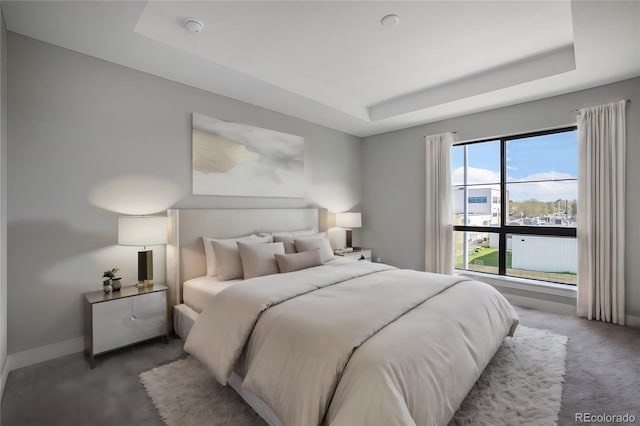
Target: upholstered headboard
point(185, 252)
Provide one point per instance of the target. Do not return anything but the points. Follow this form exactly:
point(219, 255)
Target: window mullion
point(465, 244)
point(502, 246)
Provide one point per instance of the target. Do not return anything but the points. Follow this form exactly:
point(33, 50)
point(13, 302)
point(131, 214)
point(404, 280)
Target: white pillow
point(305, 232)
point(307, 244)
point(212, 261)
point(259, 259)
point(288, 241)
point(289, 245)
point(210, 253)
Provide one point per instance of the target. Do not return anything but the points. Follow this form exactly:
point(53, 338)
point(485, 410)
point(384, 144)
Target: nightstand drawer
point(123, 318)
point(125, 321)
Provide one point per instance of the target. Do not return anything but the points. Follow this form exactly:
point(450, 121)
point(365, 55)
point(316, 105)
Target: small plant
point(109, 276)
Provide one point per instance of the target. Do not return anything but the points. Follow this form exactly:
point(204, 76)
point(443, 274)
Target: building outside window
point(519, 218)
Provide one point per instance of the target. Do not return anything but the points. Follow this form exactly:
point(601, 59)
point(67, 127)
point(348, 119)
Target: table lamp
point(349, 221)
point(143, 231)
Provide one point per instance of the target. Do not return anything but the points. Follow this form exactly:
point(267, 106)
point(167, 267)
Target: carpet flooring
point(602, 376)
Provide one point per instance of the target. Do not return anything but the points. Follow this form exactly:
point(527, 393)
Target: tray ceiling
point(334, 64)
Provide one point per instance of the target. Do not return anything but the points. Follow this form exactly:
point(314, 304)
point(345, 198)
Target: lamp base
point(144, 284)
point(349, 237)
point(145, 268)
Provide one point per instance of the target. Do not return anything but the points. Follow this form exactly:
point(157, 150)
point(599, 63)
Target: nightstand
point(124, 317)
point(360, 254)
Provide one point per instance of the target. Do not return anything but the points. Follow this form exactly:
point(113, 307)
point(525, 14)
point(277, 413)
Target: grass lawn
point(485, 256)
point(485, 259)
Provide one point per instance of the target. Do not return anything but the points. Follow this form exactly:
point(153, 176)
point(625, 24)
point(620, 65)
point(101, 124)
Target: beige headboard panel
point(185, 252)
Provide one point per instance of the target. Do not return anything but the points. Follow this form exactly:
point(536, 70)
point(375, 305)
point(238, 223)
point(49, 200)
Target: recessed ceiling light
point(390, 20)
point(193, 25)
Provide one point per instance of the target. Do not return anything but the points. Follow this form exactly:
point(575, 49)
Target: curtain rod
point(626, 100)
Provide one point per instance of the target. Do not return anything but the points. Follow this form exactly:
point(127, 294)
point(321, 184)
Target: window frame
point(503, 230)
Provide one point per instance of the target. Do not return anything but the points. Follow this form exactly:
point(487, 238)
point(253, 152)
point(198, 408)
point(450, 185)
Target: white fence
point(544, 254)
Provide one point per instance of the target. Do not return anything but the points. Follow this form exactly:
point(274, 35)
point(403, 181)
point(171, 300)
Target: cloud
point(475, 175)
point(515, 169)
point(546, 176)
point(543, 191)
point(548, 190)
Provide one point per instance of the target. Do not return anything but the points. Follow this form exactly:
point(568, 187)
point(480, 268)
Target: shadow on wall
point(335, 197)
point(49, 266)
point(135, 194)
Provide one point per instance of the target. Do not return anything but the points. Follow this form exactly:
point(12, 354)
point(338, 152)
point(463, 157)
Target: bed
point(199, 292)
point(346, 343)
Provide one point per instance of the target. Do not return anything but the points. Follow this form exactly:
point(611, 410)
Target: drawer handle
point(133, 318)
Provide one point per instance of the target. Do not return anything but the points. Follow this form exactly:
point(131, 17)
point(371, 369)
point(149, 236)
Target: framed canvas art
point(236, 159)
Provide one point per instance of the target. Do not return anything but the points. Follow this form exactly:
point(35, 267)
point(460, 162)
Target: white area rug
point(521, 386)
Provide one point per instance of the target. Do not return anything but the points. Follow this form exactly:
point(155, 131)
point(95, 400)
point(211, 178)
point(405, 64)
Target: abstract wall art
point(236, 159)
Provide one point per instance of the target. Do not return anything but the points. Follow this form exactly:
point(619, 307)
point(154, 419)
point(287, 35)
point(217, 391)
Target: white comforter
point(361, 343)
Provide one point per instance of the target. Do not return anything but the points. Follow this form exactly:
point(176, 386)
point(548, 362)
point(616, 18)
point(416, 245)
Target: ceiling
point(334, 64)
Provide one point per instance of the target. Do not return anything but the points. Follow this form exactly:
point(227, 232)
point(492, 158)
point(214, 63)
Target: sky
point(548, 157)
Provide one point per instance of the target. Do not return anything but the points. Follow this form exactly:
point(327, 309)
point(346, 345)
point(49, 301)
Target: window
point(477, 200)
point(529, 229)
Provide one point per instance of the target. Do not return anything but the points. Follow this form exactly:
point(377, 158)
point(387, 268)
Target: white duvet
point(360, 343)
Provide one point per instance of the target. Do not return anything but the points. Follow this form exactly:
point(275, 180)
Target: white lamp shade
point(142, 230)
point(349, 220)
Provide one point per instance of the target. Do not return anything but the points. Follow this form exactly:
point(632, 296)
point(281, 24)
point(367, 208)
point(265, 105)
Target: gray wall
point(3, 195)
point(394, 173)
point(87, 137)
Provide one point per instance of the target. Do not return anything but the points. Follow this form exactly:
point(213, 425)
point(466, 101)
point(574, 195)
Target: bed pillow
point(307, 244)
point(210, 253)
point(297, 261)
point(304, 232)
point(259, 259)
point(289, 241)
point(228, 263)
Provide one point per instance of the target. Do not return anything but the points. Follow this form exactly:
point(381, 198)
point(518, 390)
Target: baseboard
point(541, 305)
point(632, 320)
point(3, 379)
point(44, 353)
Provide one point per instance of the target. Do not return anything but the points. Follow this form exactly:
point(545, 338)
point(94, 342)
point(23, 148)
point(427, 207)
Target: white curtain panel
point(438, 256)
point(601, 203)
